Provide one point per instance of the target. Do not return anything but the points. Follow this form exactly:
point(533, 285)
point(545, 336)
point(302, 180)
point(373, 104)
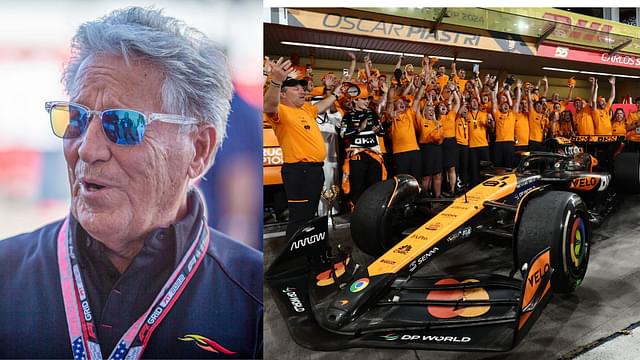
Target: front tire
point(379, 218)
point(559, 220)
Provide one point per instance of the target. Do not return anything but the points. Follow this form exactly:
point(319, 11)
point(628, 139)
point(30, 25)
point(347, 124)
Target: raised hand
point(280, 69)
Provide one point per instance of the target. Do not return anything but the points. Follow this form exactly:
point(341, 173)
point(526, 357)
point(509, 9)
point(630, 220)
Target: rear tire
point(626, 172)
point(378, 219)
point(559, 220)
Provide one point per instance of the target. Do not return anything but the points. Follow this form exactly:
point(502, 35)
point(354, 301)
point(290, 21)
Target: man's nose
point(94, 144)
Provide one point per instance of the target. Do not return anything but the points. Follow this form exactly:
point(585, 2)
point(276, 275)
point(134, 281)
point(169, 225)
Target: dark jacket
point(223, 302)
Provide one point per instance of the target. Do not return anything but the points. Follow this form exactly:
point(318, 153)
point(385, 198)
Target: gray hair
point(197, 80)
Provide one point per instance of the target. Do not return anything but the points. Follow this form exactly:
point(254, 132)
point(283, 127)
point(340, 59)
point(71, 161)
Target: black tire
point(626, 172)
point(378, 219)
point(559, 220)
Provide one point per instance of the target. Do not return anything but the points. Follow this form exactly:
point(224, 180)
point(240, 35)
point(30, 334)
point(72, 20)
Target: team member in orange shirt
point(633, 129)
point(505, 120)
point(294, 122)
point(458, 77)
point(619, 123)
point(537, 123)
point(521, 138)
point(441, 78)
point(566, 124)
point(601, 113)
point(478, 145)
point(402, 132)
point(447, 114)
point(430, 136)
point(462, 143)
point(583, 119)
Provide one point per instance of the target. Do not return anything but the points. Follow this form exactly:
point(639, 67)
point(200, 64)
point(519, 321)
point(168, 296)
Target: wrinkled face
point(121, 193)
point(578, 105)
point(293, 95)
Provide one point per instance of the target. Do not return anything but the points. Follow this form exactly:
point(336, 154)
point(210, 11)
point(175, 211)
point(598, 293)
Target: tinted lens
point(124, 127)
point(68, 120)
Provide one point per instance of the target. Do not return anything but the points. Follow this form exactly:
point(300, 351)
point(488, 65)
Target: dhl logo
point(576, 33)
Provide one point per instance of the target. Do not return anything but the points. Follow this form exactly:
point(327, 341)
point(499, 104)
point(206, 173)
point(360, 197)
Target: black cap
point(294, 82)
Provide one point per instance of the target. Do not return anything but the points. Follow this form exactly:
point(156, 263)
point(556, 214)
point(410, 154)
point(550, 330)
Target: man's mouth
point(92, 184)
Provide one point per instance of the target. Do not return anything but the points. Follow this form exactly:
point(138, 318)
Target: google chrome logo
point(359, 285)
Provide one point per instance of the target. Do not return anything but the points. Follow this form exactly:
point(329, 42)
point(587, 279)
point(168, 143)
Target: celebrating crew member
point(537, 123)
point(521, 137)
point(134, 270)
point(447, 115)
point(430, 137)
point(583, 119)
point(633, 128)
point(619, 123)
point(601, 112)
point(402, 131)
point(566, 124)
point(363, 165)
point(505, 120)
point(478, 145)
point(294, 122)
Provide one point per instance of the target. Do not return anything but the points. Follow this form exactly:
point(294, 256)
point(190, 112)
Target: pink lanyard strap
point(84, 341)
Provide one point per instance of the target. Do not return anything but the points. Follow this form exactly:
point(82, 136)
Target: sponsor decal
point(425, 338)
point(459, 207)
point(390, 337)
point(419, 237)
point(415, 263)
point(343, 302)
point(359, 285)
point(584, 183)
point(404, 249)
point(307, 241)
point(452, 311)
point(272, 156)
point(365, 141)
point(294, 299)
point(595, 57)
point(448, 215)
point(434, 226)
point(388, 262)
point(206, 344)
point(326, 278)
point(604, 182)
point(535, 277)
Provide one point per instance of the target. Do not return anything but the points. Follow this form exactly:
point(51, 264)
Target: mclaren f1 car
point(545, 208)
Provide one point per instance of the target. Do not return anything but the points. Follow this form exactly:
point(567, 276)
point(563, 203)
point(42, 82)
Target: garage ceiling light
point(591, 72)
point(372, 51)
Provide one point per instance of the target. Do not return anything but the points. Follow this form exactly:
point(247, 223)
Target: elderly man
point(134, 270)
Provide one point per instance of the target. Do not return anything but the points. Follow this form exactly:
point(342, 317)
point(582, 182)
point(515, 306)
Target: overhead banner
point(595, 57)
point(382, 29)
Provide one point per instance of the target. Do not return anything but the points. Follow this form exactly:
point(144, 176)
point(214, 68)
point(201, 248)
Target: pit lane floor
point(584, 324)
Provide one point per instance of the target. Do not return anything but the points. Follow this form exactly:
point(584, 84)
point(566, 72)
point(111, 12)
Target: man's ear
point(205, 146)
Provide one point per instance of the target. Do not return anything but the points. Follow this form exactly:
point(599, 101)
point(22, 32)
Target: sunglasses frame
point(148, 117)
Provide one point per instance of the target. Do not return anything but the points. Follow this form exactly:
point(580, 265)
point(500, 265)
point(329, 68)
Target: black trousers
point(477, 154)
point(408, 162)
point(503, 153)
point(462, 166)
point(364, 171)
point(536, 146)
point(303, 184)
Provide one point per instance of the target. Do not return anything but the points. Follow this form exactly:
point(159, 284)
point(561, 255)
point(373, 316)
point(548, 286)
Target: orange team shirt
point(602, 120)
point(448, 125)
point(487, 107)
point(462, 131)
point(619, 128)
point(584, 122)
point(633, 119)
point(442, 81)
point(478, 129)
point(403, 133)
point(537, 123)
point(430, 131)
point(298, 133)
point(522, 129)
point(461, 83)
point(505, 125)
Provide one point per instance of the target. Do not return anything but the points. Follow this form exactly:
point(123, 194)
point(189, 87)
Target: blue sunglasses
point(122, 126)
